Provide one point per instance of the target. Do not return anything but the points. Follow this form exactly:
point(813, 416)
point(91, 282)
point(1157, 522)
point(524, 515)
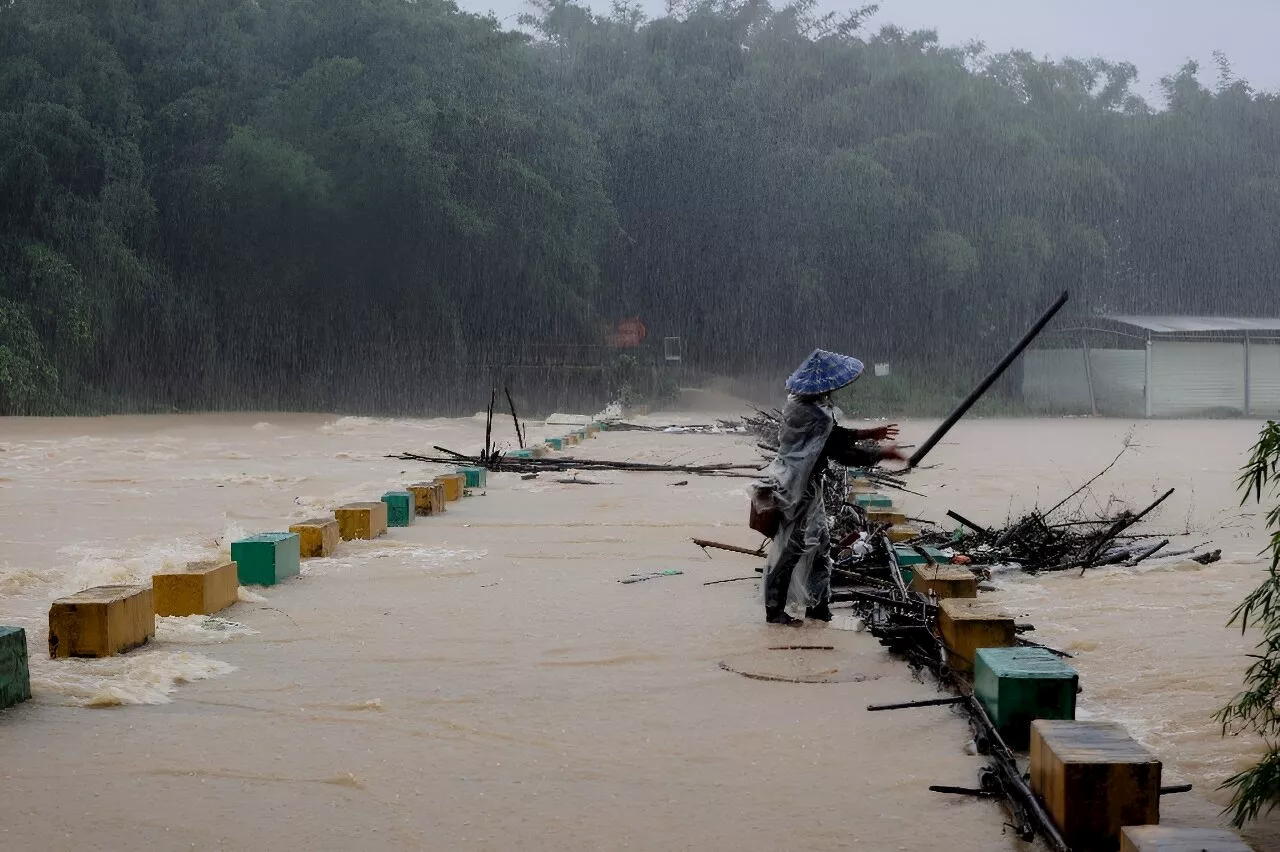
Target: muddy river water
point(482, 680)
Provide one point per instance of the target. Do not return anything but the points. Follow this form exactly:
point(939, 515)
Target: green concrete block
point(15, 676)
point(1019, 685)
point(399, 508)
point(908, 556)
point(555, 443)
point(266, 559)
point(873, 501)
point(518, 454)
point(475, 477)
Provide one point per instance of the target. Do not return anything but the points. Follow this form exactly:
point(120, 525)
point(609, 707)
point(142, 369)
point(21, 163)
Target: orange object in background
point(630, 332)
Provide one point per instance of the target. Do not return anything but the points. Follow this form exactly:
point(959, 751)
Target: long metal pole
point(977, 392)
point(1248, 403)
point(1088, 376)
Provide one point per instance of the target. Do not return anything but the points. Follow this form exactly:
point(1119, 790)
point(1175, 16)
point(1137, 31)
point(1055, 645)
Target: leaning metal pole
point(977, 393)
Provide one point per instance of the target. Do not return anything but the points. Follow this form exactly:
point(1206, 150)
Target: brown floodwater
point(482, 680)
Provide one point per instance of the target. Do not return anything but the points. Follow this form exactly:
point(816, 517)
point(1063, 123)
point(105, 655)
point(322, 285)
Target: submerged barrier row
point(104, 621)
point(1099, 786)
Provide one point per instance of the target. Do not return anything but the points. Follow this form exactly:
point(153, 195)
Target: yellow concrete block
point(945, 581)
point(453, 483)
point(861, 486)
point(903, 532)
point(967, 625)
point(428, 497)
point(101, 622)
point(317, 537)
point(876, 516)
point(570, 440)
point(1094, 779)
point(1169, 838)
point(201, 588)
point(361, 520)
point(540, 450)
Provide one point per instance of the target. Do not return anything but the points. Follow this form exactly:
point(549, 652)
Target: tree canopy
point(372, 205)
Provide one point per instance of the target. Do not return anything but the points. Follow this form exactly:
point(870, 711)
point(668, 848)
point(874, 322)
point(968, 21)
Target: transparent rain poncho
point(804, 535)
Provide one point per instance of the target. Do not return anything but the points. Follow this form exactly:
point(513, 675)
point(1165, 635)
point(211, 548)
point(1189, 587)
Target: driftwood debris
point(499, 463)
point(732, 548)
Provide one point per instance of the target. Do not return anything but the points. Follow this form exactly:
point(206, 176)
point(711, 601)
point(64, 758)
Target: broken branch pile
point(499, 463)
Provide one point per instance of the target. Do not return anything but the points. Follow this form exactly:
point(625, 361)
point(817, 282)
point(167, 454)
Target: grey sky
point(1155, 35)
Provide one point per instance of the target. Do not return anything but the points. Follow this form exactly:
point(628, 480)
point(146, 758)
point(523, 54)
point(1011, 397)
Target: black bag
point(765, 517)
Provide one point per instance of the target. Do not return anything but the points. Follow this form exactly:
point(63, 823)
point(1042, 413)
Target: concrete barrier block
point(1019, 685)
point(267, 559)
point(101, 622)
point(317, 537)
point(400, 508)
point(453, 484)
point(201, 588)
point(1168, 838)
point(361, 520)
point(428, 498)
point(967, 625)
point(903, 532)
point(872, 502)
point(15, 671)
point(883, 516)
point(555, 443)
point(945, 581)
point(1094, 779)
point(474, 477)
point(907, 555)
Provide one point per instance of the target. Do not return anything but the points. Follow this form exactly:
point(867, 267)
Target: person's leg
point(820, 577)
point(778, 579)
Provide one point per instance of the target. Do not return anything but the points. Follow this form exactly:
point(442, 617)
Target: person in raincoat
point(797, 576)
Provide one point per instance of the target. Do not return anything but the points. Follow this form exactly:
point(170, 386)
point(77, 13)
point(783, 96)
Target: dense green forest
point(373, 204)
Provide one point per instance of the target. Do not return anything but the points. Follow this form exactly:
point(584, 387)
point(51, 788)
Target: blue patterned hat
point(824, 372)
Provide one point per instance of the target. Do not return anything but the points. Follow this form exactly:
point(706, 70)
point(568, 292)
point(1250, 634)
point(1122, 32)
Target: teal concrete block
point(399, 508)
point(873, 501)
point(475, 477)
point(1019, 685)
point(908, 556)
point(15, 676)
point(266, 559)
point(518, 454)
point(555, 443)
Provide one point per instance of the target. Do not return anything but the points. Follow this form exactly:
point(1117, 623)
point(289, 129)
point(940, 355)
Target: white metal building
point(1153, 366)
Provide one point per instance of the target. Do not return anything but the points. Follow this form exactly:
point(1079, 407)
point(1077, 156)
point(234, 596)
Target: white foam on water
point(262, 426)
point(199, 630)
point(249, 596)
point(140, 677)
point(350, 425)
point(20, 581)
point(399, 553)
point(267, 480)
point(98, 566)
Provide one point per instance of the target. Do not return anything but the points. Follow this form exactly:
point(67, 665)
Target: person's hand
point(881, 433)
point(891, 453)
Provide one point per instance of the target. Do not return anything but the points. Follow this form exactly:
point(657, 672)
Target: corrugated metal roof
point(1176, 325)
